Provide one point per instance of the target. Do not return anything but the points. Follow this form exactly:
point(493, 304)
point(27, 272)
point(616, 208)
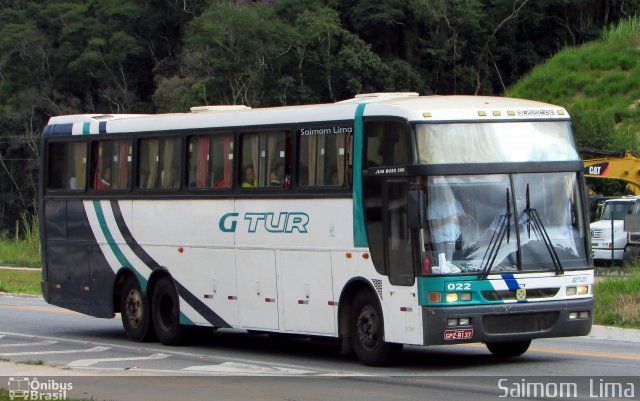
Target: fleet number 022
point(458, 286)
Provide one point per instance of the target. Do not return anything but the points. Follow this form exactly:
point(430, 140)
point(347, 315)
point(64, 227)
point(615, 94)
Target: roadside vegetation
point(617, 298)
point(21, 281)
point(598, 83)
point(25, 251)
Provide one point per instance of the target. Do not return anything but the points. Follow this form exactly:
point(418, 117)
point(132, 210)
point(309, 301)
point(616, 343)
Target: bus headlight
point(583, 289)
point(465, 296)
point(578, 290)
point(452, 297)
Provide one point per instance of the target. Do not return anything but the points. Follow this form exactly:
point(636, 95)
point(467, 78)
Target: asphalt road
point(95, 358)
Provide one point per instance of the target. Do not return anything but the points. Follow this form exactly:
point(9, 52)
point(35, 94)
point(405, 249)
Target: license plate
point(461, 334)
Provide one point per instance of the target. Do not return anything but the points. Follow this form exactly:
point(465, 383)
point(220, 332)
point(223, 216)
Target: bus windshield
point(499, 142)
point(503, 223)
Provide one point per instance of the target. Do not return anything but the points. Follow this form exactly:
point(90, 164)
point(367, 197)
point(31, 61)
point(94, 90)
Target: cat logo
point(521, 294)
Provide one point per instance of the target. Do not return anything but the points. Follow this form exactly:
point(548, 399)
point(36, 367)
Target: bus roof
point(408, 106)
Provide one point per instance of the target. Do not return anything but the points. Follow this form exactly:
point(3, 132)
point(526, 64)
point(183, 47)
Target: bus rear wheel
point(509, 349)
point(367, 332)
point(166, 312)
point(135, 311)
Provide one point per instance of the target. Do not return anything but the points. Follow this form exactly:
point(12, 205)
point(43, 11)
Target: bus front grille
point(506, 295)
point(519, 322)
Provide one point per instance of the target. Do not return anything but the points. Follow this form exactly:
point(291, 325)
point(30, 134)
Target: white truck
point(604, 241)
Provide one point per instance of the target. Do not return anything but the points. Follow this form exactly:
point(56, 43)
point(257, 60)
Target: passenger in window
point(105, 180)
point(249, 180)
point(276, 177)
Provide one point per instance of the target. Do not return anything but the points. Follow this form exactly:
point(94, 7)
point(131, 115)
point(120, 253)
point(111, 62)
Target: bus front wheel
point(134, 311)
point(166, 312)
point(509, 349)
point(367, 332)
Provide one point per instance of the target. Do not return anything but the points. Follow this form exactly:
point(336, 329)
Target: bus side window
point(210, 161)
point(111, 165)
point(159, 163)
point(67, 166)
point(265, 160)
point(323, 157)
point(386, 143)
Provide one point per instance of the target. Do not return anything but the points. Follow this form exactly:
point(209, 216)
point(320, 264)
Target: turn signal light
point(435, 297)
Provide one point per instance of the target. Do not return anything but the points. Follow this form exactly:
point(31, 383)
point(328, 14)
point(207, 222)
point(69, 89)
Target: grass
point(25, 252)
point(617, 299)
point(599, 83)
point(21, 281)
point(30, 362)
point(19, 253)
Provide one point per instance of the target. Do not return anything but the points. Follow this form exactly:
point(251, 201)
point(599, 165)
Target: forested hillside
point(599, 83)
point(132, 56)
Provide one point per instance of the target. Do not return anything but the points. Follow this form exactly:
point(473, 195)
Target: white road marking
point(48, 342)
point(247, 369)
point(67, 351)
point(83, 363)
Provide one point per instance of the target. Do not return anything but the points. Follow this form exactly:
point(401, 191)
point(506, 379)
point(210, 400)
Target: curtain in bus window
point(166, 177)
point(312, 143)
point(322, 159)
point(172, 164)
point(202, 163)
point(78, 156)
point(98, 168)
point(255, 157)
point(272, 157)
point(149, 160)
point(123, 164)
point(340, 151)
point(495, 142)
point(228, 162)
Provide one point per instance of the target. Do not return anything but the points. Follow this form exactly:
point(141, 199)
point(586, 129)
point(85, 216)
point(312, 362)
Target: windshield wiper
point(504, 228)
point(541, 232)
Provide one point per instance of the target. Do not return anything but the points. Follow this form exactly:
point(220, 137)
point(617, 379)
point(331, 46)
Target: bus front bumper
point(507, 322)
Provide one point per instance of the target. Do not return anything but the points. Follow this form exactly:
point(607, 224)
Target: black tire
point(509, 349)
point(367, 331)
point(135, 311)
point(166, 313)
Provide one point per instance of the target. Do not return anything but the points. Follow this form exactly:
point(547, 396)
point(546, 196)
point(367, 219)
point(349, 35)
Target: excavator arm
point(620, 165)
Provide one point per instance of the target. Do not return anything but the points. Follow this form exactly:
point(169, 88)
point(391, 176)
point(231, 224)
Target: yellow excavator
point(620, 165)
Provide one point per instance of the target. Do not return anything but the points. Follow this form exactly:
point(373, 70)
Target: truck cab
point(608, 236)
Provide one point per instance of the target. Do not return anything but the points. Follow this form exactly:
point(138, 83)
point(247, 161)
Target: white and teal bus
point(382, 220)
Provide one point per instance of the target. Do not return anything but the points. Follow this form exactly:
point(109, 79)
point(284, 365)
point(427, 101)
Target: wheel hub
point(367, 328)
point(134, 308)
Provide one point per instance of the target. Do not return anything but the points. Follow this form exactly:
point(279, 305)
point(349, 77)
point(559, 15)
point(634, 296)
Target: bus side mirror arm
point(416, 208)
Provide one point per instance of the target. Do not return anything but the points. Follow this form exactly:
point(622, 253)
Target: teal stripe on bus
point(359, 232)
point(124, 262)
point(86, 128)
